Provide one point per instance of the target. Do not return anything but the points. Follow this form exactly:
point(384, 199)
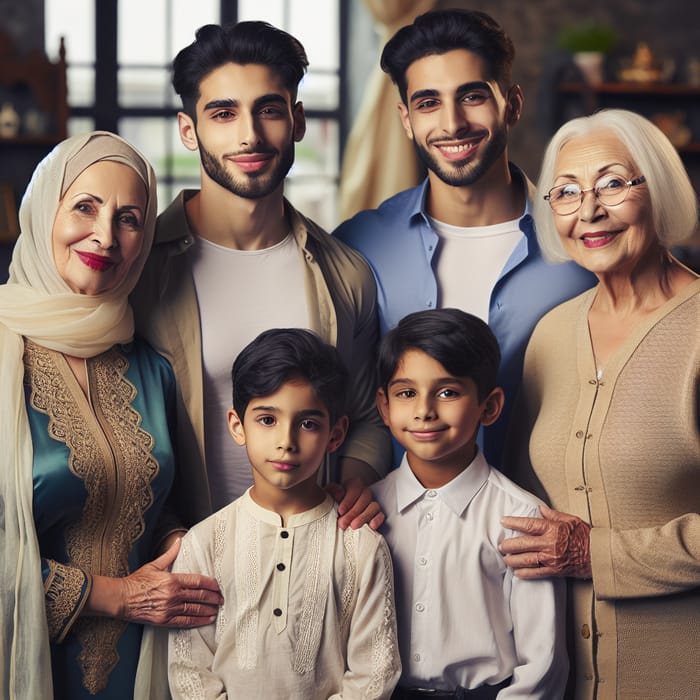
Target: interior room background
point(118, 51)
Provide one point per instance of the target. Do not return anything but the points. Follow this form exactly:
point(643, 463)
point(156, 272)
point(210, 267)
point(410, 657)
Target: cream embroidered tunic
point(308, 609)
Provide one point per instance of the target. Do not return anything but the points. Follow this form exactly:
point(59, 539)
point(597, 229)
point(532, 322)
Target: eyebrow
point(439, 380)
point(465, 87)
point(311, 412)
point(230, 103)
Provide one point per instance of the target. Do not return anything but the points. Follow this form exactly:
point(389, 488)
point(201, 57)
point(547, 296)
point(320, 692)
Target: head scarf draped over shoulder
point(37, 302)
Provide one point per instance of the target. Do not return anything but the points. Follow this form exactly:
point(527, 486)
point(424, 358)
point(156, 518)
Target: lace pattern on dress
point(63, 590)
point(112, 455)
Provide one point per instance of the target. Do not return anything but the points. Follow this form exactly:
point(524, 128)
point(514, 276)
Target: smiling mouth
point(252, 162)
point(94, 261)
point(598, 239)
point(426, 435)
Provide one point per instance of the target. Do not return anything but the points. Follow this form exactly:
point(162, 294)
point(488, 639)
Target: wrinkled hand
point(152, 595)
point(356, 505)
point(557, 544)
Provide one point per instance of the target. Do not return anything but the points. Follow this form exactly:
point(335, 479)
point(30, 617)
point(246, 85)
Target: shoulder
point(519, 501)
point(563, 314)
point(362, 230)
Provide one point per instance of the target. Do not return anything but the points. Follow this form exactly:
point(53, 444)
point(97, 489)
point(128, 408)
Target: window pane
point(271, 11)
point(319, 90)
point(74, 20)
point(153, 31)
point(317, 152)
point(81, 85)
point(80, 125)
point(320, 36)
point(145, 87)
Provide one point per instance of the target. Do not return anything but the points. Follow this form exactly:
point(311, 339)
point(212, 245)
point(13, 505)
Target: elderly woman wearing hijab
point(611, 390)
point(86, 463)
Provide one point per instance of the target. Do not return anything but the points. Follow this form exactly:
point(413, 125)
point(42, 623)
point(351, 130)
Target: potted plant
point(588, 42)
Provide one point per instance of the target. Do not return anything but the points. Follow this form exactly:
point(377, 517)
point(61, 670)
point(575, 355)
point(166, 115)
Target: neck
point(493, 199)
point(235, 222)
point(655, 279)
point(436, 473)
point(288, 502)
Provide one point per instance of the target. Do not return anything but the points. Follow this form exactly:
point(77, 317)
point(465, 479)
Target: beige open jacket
point(341, 294)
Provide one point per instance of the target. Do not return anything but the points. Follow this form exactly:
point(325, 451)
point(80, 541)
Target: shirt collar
point(456, 494)
point(274, 519)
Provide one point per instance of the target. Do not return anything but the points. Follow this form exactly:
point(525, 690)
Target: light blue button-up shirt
point(399, 244)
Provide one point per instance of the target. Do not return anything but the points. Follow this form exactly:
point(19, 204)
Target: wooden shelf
point(667, 89)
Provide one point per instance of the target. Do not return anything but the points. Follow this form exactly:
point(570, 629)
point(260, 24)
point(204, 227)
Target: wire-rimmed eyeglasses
point(610, 191)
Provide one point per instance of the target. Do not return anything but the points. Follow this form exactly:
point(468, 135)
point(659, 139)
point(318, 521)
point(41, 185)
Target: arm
point(152, 595)
point(373, 665)
point(538, 614)
point(191, 651)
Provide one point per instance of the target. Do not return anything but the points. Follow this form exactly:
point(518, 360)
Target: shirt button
point(429, 304)
point(277, 612)
point(431, 494)
point(284, 534)
point(420, 607)
point(280, 567)
point(585, 631)
point(422, 561)
point(416, 657)
point(428, 516)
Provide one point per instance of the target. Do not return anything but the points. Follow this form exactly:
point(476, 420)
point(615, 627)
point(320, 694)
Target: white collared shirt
point(463, 618)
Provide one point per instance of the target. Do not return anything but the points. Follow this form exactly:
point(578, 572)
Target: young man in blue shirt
point(465, 237)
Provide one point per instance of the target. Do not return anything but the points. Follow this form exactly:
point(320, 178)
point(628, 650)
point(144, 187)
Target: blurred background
point(114, 55)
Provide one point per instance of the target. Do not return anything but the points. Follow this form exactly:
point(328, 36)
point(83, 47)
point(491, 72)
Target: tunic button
point(420, 607)
point(585, 631)
point(422, 561)
point(284, 534)
point(277, 612)
point(280, 567)
point(579, 433)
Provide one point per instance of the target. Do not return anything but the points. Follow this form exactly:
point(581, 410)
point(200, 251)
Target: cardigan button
point(579, 433)
point(585, 631)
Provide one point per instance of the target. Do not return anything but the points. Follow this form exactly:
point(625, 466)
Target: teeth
point(457, 149)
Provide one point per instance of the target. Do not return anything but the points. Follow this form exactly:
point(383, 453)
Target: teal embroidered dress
point(103, 467)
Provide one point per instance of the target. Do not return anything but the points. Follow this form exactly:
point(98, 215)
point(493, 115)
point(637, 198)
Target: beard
point(468, 171)
point(249, 185)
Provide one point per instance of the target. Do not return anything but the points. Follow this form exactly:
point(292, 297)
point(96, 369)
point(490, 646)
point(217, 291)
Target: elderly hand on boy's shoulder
point(356, 504)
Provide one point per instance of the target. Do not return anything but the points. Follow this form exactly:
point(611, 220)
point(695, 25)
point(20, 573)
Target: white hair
point(674, 204)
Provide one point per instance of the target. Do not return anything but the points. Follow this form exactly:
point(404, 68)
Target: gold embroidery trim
point(112, 455)
point(63, 590)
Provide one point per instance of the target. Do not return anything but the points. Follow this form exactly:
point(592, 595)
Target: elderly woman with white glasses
point(608, 431)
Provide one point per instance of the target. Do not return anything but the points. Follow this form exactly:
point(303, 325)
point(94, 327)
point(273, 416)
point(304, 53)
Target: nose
point(425, 409)
point(105, 232)
point(591, 208)
point(453, 118)
point(248, 129)
point(286, 439)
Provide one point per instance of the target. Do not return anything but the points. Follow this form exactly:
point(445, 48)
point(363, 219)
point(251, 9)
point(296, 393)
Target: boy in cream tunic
point(308, 608)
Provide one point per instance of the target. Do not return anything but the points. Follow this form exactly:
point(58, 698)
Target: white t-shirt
point(240, 294)
point(469, 261)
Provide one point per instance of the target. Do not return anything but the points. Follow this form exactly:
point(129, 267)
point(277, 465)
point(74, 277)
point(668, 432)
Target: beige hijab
point(38, 304)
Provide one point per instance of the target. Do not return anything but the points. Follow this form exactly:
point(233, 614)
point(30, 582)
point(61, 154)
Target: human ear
point(188, 132)
point(383, 405)
point(405, 121)
point(235, 427)
point(492, 406)
point(299, 122)
point(338, 433)
point(514, 104)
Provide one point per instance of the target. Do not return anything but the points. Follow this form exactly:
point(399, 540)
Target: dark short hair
point(244, 43)
point(440, 31)
point(462, 343)
point(285, 354)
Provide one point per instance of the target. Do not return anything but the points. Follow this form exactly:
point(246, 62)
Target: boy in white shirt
point(467, 627)
point(308, 608)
